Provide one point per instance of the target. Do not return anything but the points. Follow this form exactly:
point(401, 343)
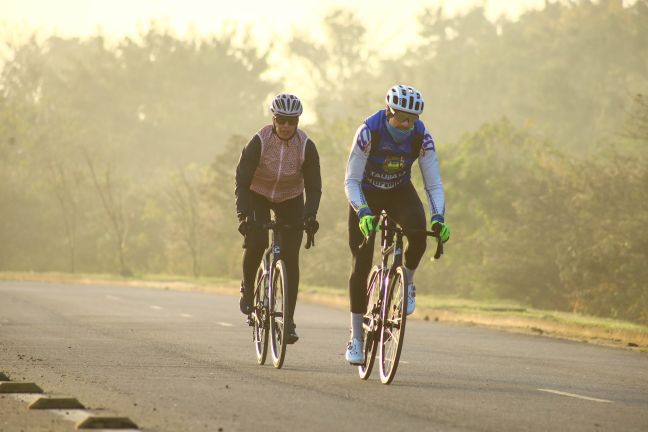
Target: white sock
point(410, 274)
point(356, 325)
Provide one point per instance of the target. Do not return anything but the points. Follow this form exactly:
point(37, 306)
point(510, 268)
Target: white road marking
point(224, 324)
point(111, 297)
point(156, 307)
point(575, 395)
point(184, 315)
point(404, 362)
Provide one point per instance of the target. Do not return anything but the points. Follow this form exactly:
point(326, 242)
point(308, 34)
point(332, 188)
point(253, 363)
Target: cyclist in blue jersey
point(378, 177)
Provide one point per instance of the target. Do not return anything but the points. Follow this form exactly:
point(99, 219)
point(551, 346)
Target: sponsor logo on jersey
point(363, 139)
point(393, 164)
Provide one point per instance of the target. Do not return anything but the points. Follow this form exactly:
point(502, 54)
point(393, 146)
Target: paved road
point(178, 361)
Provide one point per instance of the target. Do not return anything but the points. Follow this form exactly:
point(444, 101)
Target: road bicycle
point(270, 299)
point(384, 321)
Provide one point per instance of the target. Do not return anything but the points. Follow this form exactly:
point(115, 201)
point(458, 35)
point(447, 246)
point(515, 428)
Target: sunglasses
point(403, 116)
point(285, 119)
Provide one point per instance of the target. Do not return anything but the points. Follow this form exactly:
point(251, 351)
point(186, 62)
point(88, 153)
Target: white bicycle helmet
point(286, 104)
point(405, 98)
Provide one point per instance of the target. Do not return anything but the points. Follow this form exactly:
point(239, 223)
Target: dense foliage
point(121, 158)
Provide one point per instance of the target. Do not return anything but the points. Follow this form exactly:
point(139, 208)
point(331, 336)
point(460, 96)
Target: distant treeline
point(120, 158)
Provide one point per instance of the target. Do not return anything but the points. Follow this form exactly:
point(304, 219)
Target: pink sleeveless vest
point(278, 176)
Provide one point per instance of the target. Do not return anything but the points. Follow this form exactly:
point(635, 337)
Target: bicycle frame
point(263, 312)
point(385, 320)
point(271, 255)
point(389, 246)
point(270, 305)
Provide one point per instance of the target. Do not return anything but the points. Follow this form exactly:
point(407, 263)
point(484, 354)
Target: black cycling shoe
point(291, 333)
point(244, 303)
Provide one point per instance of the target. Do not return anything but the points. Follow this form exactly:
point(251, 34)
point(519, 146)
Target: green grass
point(513, 316)
point(509, 308)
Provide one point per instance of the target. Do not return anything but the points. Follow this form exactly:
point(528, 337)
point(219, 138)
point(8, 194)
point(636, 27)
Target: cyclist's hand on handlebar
point(443, 230)
point(244, 226)
point(311, 225)
point(367, 225)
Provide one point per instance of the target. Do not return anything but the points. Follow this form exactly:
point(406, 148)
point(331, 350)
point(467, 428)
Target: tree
point(186, 209)
point(66, 185)
point(112, 199)
point(637, 125)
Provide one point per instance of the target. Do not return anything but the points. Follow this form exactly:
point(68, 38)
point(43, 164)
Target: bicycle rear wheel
point(277, 310)
point(371, 323)
point(393, 325)
point(260, 318)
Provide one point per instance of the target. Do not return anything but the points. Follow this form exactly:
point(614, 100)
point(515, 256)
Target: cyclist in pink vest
point(378, 177)
point(276, 167)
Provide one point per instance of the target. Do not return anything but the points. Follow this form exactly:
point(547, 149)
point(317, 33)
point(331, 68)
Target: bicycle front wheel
point(260, 318)
point(277, 314)
point(394, 313)
point(371, 323)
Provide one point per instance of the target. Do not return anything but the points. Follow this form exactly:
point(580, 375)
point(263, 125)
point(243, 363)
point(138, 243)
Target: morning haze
point(118, 156)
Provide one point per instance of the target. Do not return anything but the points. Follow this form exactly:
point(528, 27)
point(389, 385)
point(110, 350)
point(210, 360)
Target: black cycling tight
point(289, 212)
point(404, 206)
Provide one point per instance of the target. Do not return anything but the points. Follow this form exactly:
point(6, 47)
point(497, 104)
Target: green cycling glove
point(444, 232)
point(367, 225)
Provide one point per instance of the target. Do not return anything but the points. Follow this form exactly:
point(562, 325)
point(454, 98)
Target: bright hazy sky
point(267, 19)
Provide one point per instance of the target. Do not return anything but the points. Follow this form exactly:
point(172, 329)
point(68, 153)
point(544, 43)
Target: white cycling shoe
point(411, 298)
point(355, 352)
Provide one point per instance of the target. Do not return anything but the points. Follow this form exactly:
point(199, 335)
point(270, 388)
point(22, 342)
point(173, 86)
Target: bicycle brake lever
point(367, 240)
point(439, 250)
point(436, 229)
point(310, 240)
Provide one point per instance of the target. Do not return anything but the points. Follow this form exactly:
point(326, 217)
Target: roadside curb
point(67, 407)
point(19, 387)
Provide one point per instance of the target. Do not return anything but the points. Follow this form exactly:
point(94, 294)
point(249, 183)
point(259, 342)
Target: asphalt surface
point(180, 361)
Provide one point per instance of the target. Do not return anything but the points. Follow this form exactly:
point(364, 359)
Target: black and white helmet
point(286, 104)
point(405, 98)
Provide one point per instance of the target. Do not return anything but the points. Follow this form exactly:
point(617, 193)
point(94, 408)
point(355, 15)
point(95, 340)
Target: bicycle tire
point(277, 307)
point(260, 323)
point(371, 323)
point(394, 318)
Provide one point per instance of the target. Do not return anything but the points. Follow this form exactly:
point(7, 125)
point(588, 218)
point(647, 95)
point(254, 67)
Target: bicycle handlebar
point(436, 230)
point(274, 226)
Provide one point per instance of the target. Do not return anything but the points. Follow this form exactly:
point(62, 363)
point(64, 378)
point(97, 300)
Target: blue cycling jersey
point(389, 164)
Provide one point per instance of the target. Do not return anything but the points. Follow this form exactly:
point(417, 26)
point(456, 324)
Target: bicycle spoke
point(277, 331)
point(258, 318)
point(393, 327)
point(394, 322)
point(393, 337)
point(371, 322)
